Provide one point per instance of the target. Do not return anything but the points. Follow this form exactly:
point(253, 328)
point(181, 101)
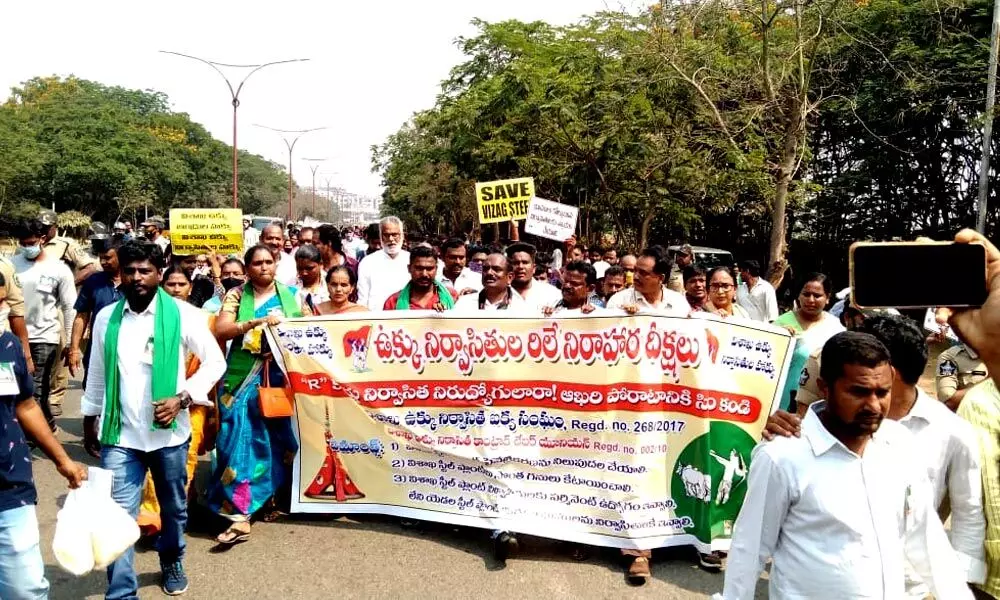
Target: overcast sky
point(373, 63)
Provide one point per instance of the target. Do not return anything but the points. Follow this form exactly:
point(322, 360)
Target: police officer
point(83, 266)
point(958, 369)
point(684, 257)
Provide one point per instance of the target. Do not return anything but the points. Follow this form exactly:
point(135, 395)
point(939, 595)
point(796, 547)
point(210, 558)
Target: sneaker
point(504, 545)
point(175, 582)
point(710, 562)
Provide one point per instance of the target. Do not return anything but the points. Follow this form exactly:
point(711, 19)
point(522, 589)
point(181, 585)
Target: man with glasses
point(386, 271)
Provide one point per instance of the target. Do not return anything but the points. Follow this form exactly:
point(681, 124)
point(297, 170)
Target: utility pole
point(235, 97)
point(291, 147)
point(314, 166)
point(991, 96)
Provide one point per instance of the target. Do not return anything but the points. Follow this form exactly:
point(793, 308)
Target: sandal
point(233, 535)
point(638, 571)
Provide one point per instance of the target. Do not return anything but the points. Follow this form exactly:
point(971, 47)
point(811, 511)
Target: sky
point(372, 63)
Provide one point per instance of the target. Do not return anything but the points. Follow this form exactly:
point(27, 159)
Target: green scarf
point(240, 360)
point(166, 357)
point(444, 297)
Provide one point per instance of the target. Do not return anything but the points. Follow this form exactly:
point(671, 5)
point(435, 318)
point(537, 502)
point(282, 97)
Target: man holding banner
point(497, 293)
point(649, 293)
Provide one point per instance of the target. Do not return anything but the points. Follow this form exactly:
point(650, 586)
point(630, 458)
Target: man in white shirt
point(385, 271)
point(756, 295)
point(153, 228)
point(601, 265)
point(946, 444)
point(144, 420)
point(49, 296)
point(251, 237)
point(649, 293)
point(841, 509)
point(454, 272)
point(496, 293)
point(273, 236)
point(536, 294)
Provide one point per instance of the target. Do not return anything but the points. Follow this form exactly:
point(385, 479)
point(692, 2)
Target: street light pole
point(291, 147)
point(235, 96)
point(314, 166)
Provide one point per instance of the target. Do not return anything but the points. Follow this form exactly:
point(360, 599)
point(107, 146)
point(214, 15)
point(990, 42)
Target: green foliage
point(108, 151)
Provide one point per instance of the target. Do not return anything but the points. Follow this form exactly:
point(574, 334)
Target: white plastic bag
point(91, 529)
point(72, 544)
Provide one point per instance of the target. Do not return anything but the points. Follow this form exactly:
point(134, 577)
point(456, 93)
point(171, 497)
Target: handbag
point(275, 402)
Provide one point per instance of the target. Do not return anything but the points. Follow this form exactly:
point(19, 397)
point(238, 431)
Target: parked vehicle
point(707, 257)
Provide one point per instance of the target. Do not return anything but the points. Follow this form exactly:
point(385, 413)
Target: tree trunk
point(777, 251)
point(647, 222)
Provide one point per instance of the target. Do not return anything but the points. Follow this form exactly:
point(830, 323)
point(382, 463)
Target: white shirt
point(601, 266)
point(48, 286)
point(380, 276)
point(760, 301)
point(135, 374)
point(320, 294)
point(286, 272)
point(251, 237)
point(671, 303)
point(467, 279)
point(540, 294)
point(950, 450)
point(837, 525)
point(470, 303)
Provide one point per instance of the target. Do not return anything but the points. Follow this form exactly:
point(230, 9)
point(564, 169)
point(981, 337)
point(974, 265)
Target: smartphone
point(917, 274)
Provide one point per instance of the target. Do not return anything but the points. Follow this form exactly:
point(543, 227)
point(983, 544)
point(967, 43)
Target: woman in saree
point(253, 453)
point(177, 283)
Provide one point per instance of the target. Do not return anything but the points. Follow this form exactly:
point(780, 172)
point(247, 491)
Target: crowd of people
point(173, 358)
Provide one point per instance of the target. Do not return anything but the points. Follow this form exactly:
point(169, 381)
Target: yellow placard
point(192, 229)
point(633, 432)
point(503, 200)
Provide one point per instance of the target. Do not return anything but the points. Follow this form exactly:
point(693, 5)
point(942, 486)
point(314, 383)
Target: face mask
point(231, 282)
point(476, 267)
point(629, 278)
point(30, 252)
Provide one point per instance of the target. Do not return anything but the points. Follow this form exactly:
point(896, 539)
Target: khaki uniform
point(958, 368)
point(15, 298)
point(77, 259)
point(676, 280)
point(808, 388)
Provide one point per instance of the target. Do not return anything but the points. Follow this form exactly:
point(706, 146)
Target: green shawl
point(444, 297)
point(166, 360)
point(241, 361)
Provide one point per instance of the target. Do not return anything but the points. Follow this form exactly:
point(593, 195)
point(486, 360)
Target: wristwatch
point(185, 399)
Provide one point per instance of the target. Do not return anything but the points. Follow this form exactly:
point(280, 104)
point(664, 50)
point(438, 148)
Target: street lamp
point(314, 166)
point(291, 146)
point(235, 95)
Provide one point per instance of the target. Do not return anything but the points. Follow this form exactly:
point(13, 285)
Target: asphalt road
point(365, 557)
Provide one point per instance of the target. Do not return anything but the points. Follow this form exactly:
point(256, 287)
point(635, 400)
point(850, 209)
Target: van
point(705, 256)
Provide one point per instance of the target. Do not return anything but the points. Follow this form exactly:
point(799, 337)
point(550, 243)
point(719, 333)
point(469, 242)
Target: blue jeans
point(22, 572)
point(168, 466)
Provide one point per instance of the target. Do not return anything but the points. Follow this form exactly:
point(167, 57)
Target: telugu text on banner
point(633, 432)
point(194, 229)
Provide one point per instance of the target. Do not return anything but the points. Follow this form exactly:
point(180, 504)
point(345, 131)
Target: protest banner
point(631, 432)
point(550, 219)
point(192, 229)
point(504, 200)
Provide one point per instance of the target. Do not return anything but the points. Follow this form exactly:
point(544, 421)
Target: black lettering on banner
point(487, 194)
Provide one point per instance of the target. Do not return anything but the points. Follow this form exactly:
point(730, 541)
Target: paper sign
point(500, 201)
point(192, 229)
point(931, 325)
point(551, 220)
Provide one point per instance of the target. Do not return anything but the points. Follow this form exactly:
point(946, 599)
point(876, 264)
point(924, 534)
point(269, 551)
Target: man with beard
point(882, 514)
point(99, 290)
point(454, 272)
point(273, 236)
point(137, 386)
point(579, 281)
point(945, 443)
point(536, 294)
point(423, 292)
point(384, 272)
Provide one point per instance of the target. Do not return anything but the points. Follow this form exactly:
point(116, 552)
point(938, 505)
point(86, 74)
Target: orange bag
point(275, 402)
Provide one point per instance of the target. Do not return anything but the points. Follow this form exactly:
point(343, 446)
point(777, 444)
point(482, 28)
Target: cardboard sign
point(503, 200)
point(191, 229)
point(551, 220)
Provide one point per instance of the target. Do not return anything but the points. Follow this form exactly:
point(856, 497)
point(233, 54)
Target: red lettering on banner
point(634, 397)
